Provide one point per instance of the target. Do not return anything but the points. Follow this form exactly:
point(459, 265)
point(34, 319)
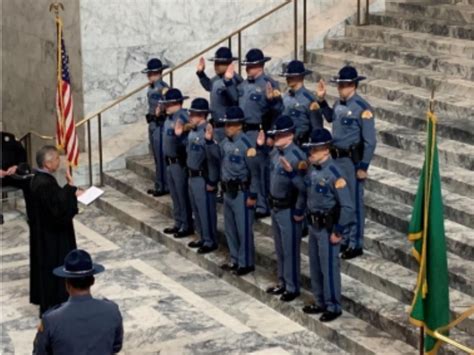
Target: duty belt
point(196, 173)
point(234, 186)
point(280, 203)
point(326, 219)
point(173, 160)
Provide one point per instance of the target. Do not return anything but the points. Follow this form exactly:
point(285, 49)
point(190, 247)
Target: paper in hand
point(90, 195)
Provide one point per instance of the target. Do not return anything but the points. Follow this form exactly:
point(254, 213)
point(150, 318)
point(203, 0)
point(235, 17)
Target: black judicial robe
point(53, 210)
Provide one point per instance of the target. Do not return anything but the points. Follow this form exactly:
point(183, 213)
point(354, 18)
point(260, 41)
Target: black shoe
point(171, 230)
point(150, 191)
point(183, 233)
point(289, 296)
point(329, 316)
point(260, 215)
point(313, 309)
point(276, 290)
point(305, 232)
point(206, 249)
point(241, 271)
point(351, 253)
point(196, 244)
point(157, 193)
point(229, 267)
point(344, 247)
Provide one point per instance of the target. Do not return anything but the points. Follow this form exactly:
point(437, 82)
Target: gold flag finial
point(56, 6)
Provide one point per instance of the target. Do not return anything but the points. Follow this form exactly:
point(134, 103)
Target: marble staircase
point(407, 50)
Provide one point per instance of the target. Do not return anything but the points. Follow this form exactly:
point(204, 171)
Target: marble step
point(406, 105)
point(455, 2)
point(459, 13)
point(386, 211)
point(144, 168)
point(386, 313)
point(377, 269)
point(350, 333)
point(435, 45)
point(401, 188)
point(412, 22)
point(455, 67)
point(405, 74)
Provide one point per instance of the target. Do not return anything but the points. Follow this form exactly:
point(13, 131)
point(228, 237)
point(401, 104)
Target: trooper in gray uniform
point(287, 202)
point(220, 98)
point(155, 118)
point(353, 127)
point(174, 149)
point(202, 182)
point(83, 324)
point(260, 99)
point(299, 103)
point(236, 156)
point(330, 210)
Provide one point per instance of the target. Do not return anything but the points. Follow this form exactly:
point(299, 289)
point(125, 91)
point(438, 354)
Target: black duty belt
point(340, 153)
point(173, 160)
point(280, 203)
point(326, 219)
point(196, 173)
point(233, 186)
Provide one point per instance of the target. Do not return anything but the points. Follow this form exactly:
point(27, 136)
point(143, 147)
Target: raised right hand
point(201, 66)
point(321, 90)
point(69, 178)
point(229, 73)
point(261, 137)
point(209, 135)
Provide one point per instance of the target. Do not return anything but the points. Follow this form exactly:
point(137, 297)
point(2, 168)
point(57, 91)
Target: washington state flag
point(430, 306)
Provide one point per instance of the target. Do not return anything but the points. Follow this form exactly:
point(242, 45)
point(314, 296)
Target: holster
point(355, 152)
point(232, 187)
point(326, 219)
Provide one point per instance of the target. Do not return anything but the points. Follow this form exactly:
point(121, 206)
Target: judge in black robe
point(53, 210)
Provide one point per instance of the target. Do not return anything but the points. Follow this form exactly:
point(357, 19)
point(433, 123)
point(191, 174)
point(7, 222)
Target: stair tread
point(371, 262)
point(419, 35)
point(451, 23)
point(403, 50)
point(354, 328)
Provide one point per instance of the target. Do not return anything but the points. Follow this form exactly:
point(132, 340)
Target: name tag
point(235, 159)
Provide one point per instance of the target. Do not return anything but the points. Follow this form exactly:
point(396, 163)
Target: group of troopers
point(268, 154)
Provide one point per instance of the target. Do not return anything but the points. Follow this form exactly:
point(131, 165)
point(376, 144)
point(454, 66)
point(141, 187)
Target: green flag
point(430, 306)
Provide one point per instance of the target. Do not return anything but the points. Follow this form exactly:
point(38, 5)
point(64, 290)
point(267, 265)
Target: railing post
point(229, 42)
point(366, 12)
point(305, 54)
point(295, 20)
point(89, 152)
point(171, 78)
point(358, 13)
point(101, 169)
point(239, 44)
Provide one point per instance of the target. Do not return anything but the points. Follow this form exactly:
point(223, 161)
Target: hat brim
point(274, 132)
point(337, 80)
point(193, 110)
point(62, 272)
point(265, 59)
point(173, 101)
point(289, 75)
point(315, 145)
point(223, 60)
point(231, 120)
point(146, 70)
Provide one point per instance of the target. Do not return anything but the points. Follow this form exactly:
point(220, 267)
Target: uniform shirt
point(82, 325)
point(174, 146)
point(252, 98)
point(155, 94)
point(236, 157)
point(352, 122)
point(327, 188)
point(302, 107)
point(282, 183)
point(196, 148)
point(220, 98)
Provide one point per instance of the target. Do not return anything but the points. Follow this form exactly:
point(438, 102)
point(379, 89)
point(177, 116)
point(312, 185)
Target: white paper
point(90, 195)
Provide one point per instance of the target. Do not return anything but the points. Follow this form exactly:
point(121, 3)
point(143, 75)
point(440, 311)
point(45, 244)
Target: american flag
point(66, 136)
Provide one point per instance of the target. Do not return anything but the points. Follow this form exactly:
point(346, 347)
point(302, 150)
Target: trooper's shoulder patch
point(314, 106)
point(367, 115)
point(276, 93)
point(302, 165)
point(251, 152)
point(40, 327)
point(340, 183)
point(164, 90)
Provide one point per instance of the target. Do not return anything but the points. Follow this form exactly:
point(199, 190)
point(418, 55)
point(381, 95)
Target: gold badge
point(367, 115)
point(314, 106)
point(340, 183)
point(251, 152)
point(302, 165)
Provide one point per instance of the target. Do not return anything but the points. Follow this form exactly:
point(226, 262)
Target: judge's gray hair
point(46, 153)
